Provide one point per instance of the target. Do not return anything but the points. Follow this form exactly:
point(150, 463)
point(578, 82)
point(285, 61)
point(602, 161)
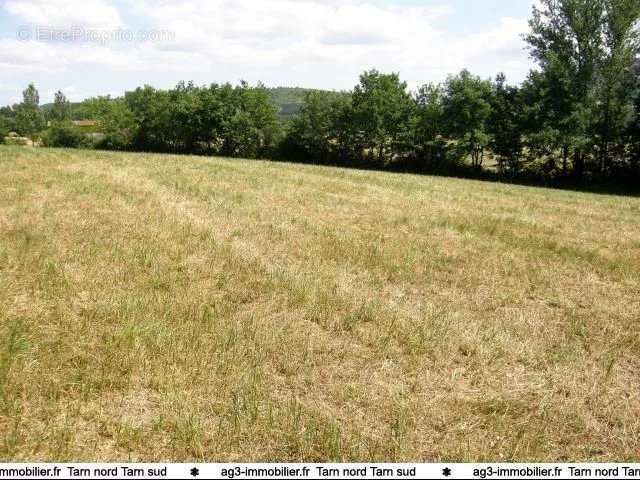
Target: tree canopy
point(29, 119)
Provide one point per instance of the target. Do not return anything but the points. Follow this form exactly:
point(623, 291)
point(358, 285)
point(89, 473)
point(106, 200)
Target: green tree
point(152, 111)
point(567, 40)
point(467, 109)
point(29, 117)
point(383, 116)
point(187, 118)
point(615, 79)
point(431, 145)
point(7, 112)
point(7, 122)
point(7, 125)
point(632, 132)
point(30, 96)
point(61, 109)
point(506, 126)
point(115, 122)
point(313, 134)
point(62, 134)
point(250, 125)
point(549, 121)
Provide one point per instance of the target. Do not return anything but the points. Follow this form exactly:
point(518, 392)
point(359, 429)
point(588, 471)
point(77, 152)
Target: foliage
point(585, 50)
point(151, 111)
point(62, 134)
point(16, 141)
point(116, 123)
point(7, 112)
point(7, 125)
point(506, 126)
point(29, 119)
point(236, 121)
point(382, 116)
point(431, 146)
point(313, 134)
point(61, 109)
point(467, 107)
point(249, 125)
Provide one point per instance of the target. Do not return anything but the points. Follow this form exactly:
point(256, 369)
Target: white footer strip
point(312, 471)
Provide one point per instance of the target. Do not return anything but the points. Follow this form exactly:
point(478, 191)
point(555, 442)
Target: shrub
point(62, 135)
point(16, 141)
point(6, 126)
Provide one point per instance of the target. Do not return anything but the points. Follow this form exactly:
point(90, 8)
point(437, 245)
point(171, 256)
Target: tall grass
point(175, 308)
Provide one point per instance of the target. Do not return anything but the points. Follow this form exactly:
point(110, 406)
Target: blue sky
point(112, 46)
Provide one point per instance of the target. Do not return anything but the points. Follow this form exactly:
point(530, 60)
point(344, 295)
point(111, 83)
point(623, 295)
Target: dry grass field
point(180, 308)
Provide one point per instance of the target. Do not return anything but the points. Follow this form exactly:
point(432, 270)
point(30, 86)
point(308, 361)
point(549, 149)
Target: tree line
point(575, 118)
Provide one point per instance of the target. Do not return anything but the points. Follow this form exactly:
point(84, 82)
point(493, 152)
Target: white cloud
point(498, 49)
point(349, 35)
point(70, 91)
point(33, 56)
point(287, 42)
point(66, 13)
point(17, 56)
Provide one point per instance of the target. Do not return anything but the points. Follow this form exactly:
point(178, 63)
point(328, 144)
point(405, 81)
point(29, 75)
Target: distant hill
point(291, 99)
point(288, 99)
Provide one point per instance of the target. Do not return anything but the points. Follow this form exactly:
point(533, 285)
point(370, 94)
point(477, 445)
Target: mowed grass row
point(181, 308)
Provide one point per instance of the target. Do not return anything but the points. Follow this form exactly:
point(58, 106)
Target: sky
point(98, 47)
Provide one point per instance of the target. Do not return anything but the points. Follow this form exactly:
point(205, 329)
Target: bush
point(21, 141)
point(62, 136)
point(117, 126)
point(7, 125)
